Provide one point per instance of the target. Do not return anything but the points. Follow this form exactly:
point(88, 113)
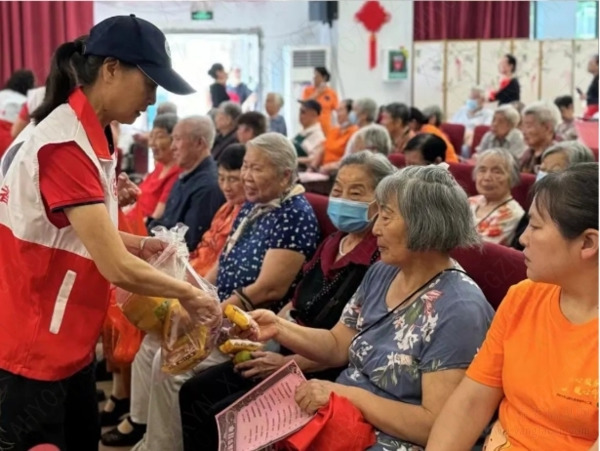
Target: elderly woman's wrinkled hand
point(127, 191)
point(314, 394)
point(268, 326)
point(263, 364)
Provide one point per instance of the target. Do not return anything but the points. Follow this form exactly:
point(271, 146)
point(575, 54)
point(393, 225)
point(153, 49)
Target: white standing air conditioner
point(299, 64)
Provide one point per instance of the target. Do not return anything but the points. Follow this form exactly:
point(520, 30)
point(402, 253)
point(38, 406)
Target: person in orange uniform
point(338, 137)
point(61, 249)
point(421, 123)
point(539, 361)
point(324, 94)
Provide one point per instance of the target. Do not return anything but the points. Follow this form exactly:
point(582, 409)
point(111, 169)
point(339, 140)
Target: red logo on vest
point(4, 192)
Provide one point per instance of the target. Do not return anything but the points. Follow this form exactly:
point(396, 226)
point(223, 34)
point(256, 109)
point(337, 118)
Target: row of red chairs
point(587, 131)
point(493, 267)
point(456, 135)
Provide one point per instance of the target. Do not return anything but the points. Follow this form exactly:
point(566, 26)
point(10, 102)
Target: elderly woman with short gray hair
point(373, 137)
point(504, 132)
point(540, 120)
point(275, 232)
point(328, 282)
point(365, 110)
point(415, 322)
point(225, 117)
point(564, 155)
point(495, 212)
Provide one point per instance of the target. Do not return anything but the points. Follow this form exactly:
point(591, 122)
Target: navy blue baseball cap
point(311, 104)
point(137, 42)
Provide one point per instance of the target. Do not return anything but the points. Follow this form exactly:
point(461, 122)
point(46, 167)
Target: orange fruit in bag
point(147, 313)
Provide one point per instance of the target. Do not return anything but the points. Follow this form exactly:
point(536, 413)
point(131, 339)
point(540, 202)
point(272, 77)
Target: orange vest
point(335, 145)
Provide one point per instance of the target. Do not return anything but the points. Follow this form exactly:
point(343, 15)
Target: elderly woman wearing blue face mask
point(562, 156)
point(328, 282)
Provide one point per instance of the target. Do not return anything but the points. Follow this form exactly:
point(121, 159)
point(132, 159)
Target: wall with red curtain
point(30, 31)
point(436, 20)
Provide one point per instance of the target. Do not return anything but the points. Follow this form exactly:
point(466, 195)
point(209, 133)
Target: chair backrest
point(455, 133)
point(319, 204)
point(463, 173)
point(521, 192)
point(494, 268)
point(478, 133)
point(588, 134)
point(397, 159)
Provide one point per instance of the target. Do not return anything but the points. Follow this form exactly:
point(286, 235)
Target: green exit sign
point(202, 15)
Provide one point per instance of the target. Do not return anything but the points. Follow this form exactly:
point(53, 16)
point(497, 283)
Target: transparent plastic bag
point(188, 332)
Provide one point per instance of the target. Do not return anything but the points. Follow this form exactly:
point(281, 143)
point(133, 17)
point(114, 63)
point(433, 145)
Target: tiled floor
point(106, 386)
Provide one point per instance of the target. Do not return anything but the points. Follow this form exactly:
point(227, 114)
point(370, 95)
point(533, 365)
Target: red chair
point(588, 134)
point(522, 192)
point(319, 204)
point(455, 133)
point(463, 173)
point(478, 133)
point(494, 268)
point(397, 159)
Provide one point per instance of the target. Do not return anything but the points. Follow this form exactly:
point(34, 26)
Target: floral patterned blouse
point(441, 330)
point(498, 227)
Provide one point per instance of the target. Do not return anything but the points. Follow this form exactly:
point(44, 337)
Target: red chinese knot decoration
point(372, 15)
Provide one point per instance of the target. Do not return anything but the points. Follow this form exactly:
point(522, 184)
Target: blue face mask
point(540, 175)
point(348, 215)
point(471, 104)
point(352, 117)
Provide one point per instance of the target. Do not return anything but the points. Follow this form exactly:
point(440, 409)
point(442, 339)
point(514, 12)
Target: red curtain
point(30, 31)
point(437, 20)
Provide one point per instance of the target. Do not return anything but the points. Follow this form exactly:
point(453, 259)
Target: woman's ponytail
point(61, 80)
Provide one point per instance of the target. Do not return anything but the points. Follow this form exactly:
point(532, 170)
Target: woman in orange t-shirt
point(539, 362)
point(322, 93)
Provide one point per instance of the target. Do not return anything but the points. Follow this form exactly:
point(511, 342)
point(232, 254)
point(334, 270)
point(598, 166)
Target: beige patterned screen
point(445, 71)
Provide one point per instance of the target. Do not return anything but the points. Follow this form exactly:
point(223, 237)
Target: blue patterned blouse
point(292, 226)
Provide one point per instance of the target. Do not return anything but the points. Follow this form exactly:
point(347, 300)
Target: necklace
point(341, 246)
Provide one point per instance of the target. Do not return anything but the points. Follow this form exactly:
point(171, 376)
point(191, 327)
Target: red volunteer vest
point(52, 297)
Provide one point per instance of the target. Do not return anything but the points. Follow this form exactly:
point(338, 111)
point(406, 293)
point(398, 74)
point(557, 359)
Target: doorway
point(193, 54)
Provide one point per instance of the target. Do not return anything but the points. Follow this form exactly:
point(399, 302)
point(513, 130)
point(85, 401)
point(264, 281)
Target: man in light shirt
point(273, 104)
point(310, 142)
point(472, 114)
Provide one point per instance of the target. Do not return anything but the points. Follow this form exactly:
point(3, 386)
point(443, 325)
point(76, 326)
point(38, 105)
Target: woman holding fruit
point(414, 324)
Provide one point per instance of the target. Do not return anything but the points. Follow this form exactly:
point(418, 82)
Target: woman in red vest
point(61, 249)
